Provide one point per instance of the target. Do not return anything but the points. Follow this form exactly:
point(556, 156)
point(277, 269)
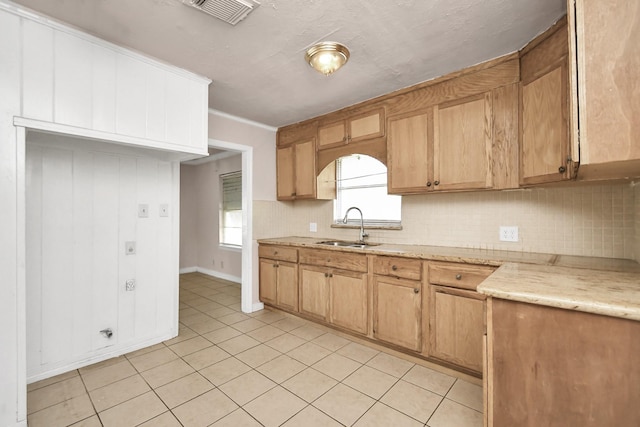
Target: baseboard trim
point(90, 360)
point(257, 307)
point(188, 270)
point(219, 275)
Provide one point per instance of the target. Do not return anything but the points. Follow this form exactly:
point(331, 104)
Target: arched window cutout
point(361, 181)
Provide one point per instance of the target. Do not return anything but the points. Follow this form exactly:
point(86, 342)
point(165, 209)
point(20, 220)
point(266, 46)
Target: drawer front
point(462, 276)
point(405, 268)
point(334, 259)
point(278, 252)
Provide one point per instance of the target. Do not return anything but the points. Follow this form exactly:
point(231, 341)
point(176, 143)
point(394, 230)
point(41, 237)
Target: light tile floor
point(226, 368)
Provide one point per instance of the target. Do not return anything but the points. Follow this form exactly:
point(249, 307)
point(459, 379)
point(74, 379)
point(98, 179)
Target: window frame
point(237, 177)
point(354, 221)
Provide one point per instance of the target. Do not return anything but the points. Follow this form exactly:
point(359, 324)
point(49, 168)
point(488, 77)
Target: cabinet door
point(305, 170)
point(397, 312)
point(544, 130)
point(332, 134)
point(544, 110)
point(366, 125)
point(456, 326)
point(287, 286)
point(409, 145)
point(314, 291)
point(268, 280)
point(348, 300)
point(463, 144)
point(285, 173)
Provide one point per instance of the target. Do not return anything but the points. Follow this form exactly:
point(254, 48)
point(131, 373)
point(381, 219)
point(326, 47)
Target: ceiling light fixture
point(327, 57)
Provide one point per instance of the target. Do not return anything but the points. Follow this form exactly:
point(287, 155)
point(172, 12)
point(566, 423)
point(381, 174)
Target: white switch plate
point(164, 210)
point(509, 233)
point(143, 211)
point(129, 248)
point(313, 227)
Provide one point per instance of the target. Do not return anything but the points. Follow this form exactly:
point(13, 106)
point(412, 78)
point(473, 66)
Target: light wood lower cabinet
point(279, 284)
point(279, 276)
point(456, 326)
point(334, 296)
point(397, 311)
point(553, 367)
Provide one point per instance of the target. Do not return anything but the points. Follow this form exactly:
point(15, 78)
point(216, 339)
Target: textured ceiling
point(258, 67)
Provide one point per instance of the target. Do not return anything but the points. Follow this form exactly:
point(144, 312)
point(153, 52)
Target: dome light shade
point(327, 57)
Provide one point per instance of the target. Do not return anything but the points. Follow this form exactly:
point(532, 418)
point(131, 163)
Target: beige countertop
point(596, 285)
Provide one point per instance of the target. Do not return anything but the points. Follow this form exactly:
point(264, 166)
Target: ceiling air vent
point(230, 11)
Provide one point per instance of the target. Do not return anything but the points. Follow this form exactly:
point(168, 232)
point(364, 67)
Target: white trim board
point(247, 305)
point(218, 275)
point(241, 120)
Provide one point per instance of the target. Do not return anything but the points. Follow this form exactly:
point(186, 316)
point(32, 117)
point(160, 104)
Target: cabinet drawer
point(405, 268)
point(334, 259)
point(458, 275)
point(278, 252)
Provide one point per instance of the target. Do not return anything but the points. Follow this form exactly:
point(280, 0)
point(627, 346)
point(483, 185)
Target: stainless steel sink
point(341, 243)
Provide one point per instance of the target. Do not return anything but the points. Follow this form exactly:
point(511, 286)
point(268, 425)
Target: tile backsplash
point(591, 220)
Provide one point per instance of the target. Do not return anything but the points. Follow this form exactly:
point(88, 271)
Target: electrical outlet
point(130, 285)
point(313, 227)
point(213, 261)
point(509, 234)
point(221, 264)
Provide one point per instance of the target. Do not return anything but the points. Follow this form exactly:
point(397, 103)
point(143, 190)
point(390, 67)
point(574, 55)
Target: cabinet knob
point(293, 194)
point(428, 183)
point(436, 183)
point(458, 276)
point(275, 265)
point(330, 274)
point(394, 267)
point(275, 252)
point(326, 274)
point(416, 290)
point(344, 138)
point(562, 169)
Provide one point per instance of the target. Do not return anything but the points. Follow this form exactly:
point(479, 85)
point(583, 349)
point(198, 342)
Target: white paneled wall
point(82, 206)
point(61, 80)
point(74, 79)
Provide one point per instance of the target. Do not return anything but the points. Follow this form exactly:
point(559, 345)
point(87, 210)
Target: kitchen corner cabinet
point(545, 154)
point(456, 314)
point(397, 302)
point(354, 128)
point(554, 367)
point(333, 288)
point(279, 276)
point(604, 68)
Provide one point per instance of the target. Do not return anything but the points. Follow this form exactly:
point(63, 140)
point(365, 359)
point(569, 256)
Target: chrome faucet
point(362, 233)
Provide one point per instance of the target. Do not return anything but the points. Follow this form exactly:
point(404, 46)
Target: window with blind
point(231, 209)
point(361, 181)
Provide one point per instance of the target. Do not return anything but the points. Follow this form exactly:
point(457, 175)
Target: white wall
point(263, 140)
point(200, 189)
point(56, 78)
point(82, 202)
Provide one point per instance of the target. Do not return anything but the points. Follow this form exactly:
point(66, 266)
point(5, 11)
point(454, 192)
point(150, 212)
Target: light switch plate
point(129, 248)
point(313, 227)
point(143, 211)
point(164, 210)
point(130, 285)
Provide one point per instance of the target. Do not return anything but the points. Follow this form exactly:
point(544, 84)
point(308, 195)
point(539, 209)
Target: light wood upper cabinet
point(359, 127)
point(296, 173)
point(409, 152)
point(545, 154)
point(441, 148)
point(463, 143)
point(604, 69)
